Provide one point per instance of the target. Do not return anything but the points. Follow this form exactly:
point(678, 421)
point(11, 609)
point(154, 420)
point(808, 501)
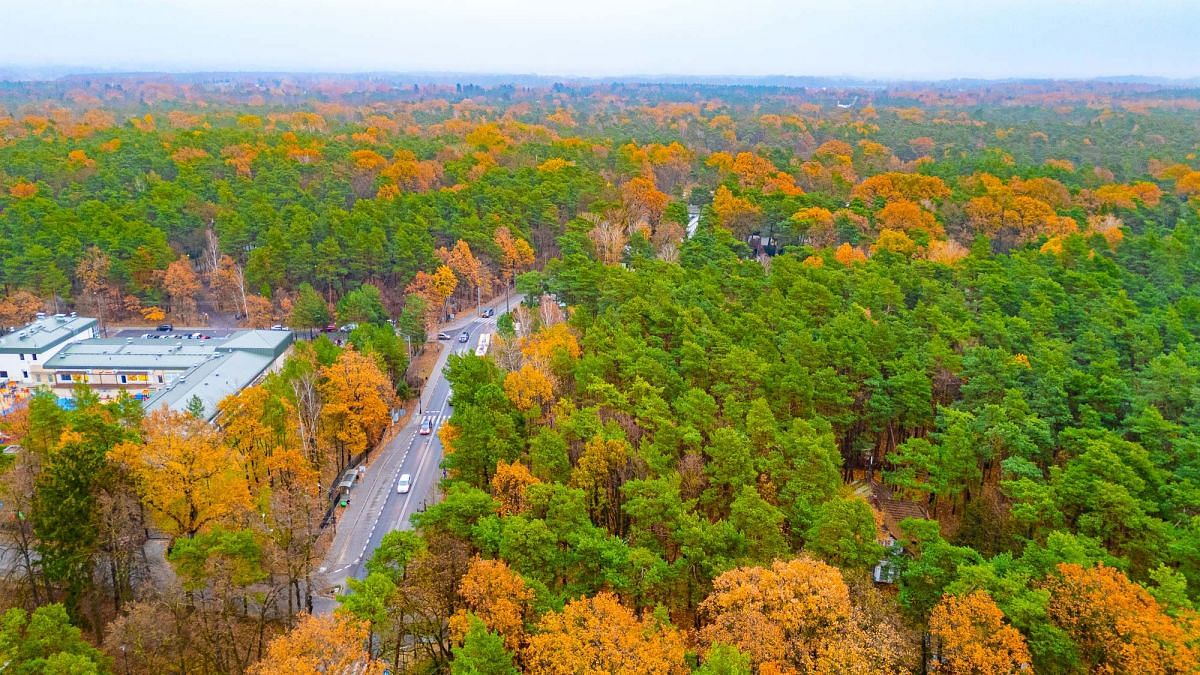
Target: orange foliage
point(901, 186)
point(643, 200)
point(795, 614)
point(1118, 625)
point(23, 189)
point(599, 635)
point(499, 597)
point(735, 213)
point(907, 216)
point(973, 638)
point(848, 255)
point(508, 487)
point(324, 644)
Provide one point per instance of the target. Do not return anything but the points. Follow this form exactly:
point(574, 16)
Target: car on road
point(278, 327)
point(166, 328)
point(349, 327)
point(403, 484)
point(426, 427)
point(488, 313)
point(464, 336)
point(443, 336)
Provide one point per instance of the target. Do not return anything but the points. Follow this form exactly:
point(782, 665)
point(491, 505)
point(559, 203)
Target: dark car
point(464, 336)
point(165, 328)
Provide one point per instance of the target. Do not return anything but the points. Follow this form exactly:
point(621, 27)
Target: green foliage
point(482, 653)
point(46, 642)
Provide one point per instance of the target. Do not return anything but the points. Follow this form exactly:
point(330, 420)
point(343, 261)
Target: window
point(4, 374)
point(124, 379)
point(34, 356)
point(24, 374)
point(64, 377)
point(21, 356)
point(160, 379)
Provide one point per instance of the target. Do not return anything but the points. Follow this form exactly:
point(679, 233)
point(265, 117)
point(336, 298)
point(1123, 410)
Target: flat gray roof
point(225, 374)
point(164, 353)
point(44, 334)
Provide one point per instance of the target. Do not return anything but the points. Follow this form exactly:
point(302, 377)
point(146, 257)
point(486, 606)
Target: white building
point(24, 351)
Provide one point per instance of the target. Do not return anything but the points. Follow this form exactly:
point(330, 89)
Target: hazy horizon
point(868, 39)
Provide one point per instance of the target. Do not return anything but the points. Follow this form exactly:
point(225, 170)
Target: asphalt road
point(375, 507)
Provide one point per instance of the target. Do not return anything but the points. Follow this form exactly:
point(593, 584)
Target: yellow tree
point(320, 645)
point(734, 213)
point(499, 597)
point(356, 406)
point(187, 477)
point(594, 636)
point(245, 423)
point(435, 289)
point(528, 387)
point(973, 639)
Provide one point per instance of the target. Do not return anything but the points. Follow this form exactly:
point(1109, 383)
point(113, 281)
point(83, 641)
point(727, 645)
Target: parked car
point(403, 484)
point(349, 327)
point(278, 327)
point(165, 328)
point(331, 328)
point(464, 336)
point(196, 336)
point(426, 427)
point(443, 336)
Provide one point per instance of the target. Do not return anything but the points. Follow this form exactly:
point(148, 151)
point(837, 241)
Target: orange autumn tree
point(972, 637)
point(435, 289)
point(466, 267)
point(187, 477)
point(599, 635)
point(499, 597)
point(508, 487)
point(736, 214)
point(356, 405)
point(515, 254)
point(643, 200)
point(23, 189)
point(320, 645)
point(181, 284)
point(1118, 625)
point(895, 186)
point(793, 616)
point(848, 255)
point(907, 216)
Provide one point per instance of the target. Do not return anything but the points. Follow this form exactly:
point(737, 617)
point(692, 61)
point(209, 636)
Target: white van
point(404, 484)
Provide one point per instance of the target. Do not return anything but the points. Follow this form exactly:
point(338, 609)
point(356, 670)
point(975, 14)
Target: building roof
point(225, 374)
point(44, 334)
point(208, 369)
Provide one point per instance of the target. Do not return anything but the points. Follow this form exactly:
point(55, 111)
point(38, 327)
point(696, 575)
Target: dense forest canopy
point(774, 340)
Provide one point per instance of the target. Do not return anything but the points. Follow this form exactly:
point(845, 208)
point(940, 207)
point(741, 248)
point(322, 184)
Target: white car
point(403, 484)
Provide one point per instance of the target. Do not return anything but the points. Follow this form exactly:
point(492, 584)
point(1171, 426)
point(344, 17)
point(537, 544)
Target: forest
point(804, 380)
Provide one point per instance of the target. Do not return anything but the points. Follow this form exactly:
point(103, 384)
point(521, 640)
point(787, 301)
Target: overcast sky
point(872, 38)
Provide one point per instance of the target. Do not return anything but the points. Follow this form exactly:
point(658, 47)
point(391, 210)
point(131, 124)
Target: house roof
point(44, 334)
